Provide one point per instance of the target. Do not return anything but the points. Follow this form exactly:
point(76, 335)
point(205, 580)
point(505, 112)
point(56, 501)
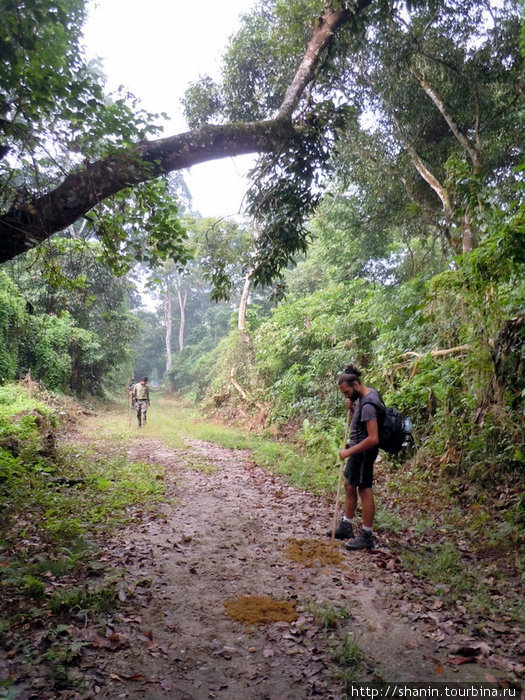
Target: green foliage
point(61, 348)
point(101, 599)
point(306, 343)
point(12, 317)
point(25, 423)
point(258, 64)
point(73, 329)
point(286, 191)
point(54, 114)
point(142, 224)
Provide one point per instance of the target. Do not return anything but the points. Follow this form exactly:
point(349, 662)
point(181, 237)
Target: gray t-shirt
point(363, 412)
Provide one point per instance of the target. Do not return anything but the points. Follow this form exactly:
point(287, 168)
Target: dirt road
point(223, 535)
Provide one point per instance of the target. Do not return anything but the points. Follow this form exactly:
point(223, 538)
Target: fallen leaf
point(458, 660)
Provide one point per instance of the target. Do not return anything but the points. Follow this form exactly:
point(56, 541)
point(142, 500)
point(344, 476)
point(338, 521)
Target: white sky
point(155, 48)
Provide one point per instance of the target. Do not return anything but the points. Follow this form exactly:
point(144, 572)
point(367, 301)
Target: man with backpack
point(361, 453)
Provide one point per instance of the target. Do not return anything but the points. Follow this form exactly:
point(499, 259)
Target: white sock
point(367, 529)
point(348, 520)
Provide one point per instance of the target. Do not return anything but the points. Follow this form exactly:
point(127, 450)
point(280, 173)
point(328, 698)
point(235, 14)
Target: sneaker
point(344, 531)
point(364, 540)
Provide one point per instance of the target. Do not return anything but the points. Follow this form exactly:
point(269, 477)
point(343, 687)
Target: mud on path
point(224, 533)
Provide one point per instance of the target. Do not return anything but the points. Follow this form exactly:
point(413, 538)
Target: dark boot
point(364, 540)
point(344, 531)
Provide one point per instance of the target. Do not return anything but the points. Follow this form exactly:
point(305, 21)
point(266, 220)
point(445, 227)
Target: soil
point(222, 596)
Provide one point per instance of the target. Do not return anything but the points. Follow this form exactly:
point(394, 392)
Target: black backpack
point(393, 434)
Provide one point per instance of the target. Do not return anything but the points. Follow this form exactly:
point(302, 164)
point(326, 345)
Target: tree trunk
point(468, 240)
point(474, 152)
point(182, 307)
point(169, 326)
point(243, 305)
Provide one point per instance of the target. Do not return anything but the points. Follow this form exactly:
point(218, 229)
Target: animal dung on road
point(260, 609)
point(313, 552)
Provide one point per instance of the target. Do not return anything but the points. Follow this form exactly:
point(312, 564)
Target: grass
point(349, 661)
point(458, 543)
point(326, 615)
point(55, 510)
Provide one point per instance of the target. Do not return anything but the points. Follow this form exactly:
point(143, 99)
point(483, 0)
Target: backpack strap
point(381, 406)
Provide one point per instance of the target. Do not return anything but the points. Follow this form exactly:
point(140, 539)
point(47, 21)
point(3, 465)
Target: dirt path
point(223, 535)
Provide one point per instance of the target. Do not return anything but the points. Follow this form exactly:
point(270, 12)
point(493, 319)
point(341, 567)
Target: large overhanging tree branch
point(24, 227)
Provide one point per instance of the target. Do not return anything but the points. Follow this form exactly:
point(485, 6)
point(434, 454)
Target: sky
point(155, 48)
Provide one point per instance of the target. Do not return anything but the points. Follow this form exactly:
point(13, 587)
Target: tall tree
point(442, 85)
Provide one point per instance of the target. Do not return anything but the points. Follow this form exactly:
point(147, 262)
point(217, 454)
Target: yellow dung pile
point(260, 609)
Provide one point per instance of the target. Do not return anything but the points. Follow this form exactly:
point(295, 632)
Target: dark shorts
point(360, 469)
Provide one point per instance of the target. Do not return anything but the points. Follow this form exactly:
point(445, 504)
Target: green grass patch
point(203, 467)
point(349, 661)
point(326, 615)
point(96, 600)
point(108, 487)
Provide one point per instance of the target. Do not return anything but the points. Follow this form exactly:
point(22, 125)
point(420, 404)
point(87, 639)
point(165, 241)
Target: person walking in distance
point(360, 453)
point(141, 400)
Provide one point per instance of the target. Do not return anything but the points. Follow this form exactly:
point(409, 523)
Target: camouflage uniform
point(141, 399)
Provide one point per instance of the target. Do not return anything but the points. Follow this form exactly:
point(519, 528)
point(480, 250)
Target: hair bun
point(351, 369)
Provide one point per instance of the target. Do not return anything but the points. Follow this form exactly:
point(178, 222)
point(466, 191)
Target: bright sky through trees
point(155, 49)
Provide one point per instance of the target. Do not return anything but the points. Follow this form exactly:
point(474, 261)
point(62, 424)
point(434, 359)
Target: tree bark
point(430, 179)
point(325, 27)
point(243, 305)
point(473, 152)
point(437, 353)
point(169, 324)
point(182, 308)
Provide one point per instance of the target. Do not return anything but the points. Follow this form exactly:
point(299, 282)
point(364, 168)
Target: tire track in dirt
point(224, 535)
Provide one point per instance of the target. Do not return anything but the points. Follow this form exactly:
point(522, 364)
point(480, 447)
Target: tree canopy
point(422, 92)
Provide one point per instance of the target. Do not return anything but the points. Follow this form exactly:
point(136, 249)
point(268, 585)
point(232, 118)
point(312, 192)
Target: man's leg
point(365, 539)
point(138, 408)
point(144, 413)
point(344, 530)
point(368, 506)
point(350, 500)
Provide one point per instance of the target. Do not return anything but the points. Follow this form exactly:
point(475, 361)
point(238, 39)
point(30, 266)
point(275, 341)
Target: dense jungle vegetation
point(388, 231)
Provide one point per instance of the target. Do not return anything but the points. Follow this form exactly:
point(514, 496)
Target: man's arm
point(371, 440)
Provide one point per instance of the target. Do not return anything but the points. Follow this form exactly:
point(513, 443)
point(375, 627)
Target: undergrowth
point(56, 506)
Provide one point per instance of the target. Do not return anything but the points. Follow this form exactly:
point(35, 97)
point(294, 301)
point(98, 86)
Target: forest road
point(224, 534)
